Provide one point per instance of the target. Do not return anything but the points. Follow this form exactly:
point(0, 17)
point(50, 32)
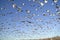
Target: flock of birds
point(13, 22)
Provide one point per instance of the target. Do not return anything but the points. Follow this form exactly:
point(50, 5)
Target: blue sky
point(29, 19)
